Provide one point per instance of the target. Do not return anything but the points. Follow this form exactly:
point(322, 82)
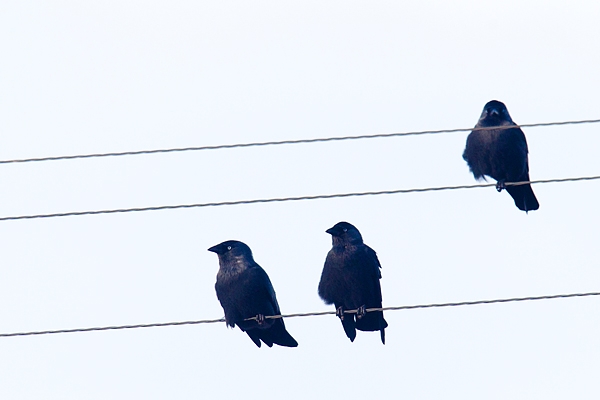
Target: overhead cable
point(284, 199)
point(311, 314)
point(285, 142)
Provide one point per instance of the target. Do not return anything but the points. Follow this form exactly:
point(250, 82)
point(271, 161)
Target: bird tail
point(349, 326)
point(277, 334)
point(255, 336)
point(524, 198)
point(373, 321)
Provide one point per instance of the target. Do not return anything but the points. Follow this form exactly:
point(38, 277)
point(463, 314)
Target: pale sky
point(108, 76)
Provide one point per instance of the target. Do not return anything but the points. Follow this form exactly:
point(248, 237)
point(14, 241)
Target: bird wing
point(247, 295)
point(372, 321)
point(512, 151)
point(372, 270)
point(263, 291)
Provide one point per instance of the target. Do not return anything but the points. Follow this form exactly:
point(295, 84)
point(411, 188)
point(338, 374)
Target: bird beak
point(493, 111)
point(214, 249)
point(330, 231)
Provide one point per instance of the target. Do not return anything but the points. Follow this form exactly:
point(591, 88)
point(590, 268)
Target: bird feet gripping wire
point(339, 312)
point(500, 185)
point(361, 312)
point(260, 318)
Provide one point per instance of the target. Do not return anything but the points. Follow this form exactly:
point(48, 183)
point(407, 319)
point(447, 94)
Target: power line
point(111, 328)
point(284, 142)
point(284, 199)
point(311, 314)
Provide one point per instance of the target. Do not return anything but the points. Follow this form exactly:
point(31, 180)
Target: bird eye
point(228, 247)
point(345, 229)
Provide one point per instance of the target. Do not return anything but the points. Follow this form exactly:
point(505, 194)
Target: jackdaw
point(350, 281)
point(245, 291)
point(501, 154)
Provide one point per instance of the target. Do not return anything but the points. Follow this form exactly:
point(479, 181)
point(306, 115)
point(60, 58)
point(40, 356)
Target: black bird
point(350, 281)
point(501, 154)
point(245, 291)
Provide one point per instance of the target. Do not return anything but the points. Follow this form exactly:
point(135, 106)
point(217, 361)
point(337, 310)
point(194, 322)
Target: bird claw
point(260, 318)
point(361, 312)
point(500, 186)
point(339, 312)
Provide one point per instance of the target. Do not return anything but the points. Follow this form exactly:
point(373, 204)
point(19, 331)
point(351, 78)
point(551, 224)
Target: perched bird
point(501, 154)
point(245, 291)
point(350, 281)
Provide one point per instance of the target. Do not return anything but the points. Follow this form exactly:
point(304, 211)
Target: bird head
point(494, 113)
point(232, 250)
point(344, 232)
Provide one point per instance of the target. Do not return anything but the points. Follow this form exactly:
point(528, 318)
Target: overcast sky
point(88, 77)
